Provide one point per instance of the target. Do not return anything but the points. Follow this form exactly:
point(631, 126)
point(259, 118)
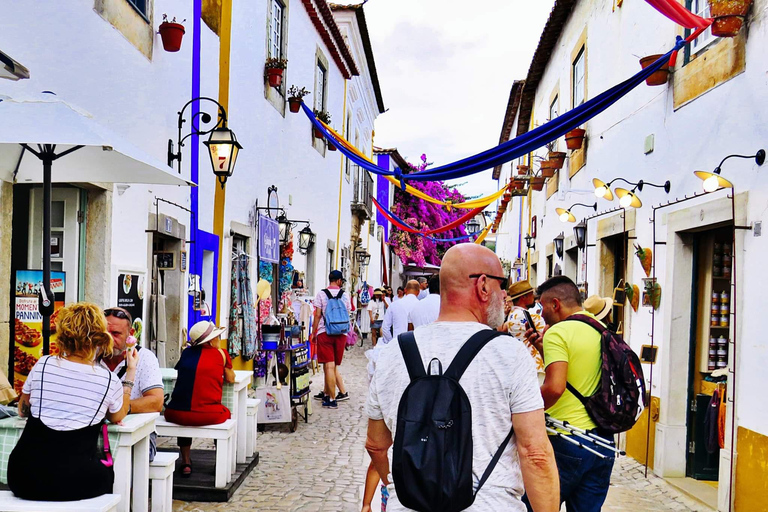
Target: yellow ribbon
point(467, 205)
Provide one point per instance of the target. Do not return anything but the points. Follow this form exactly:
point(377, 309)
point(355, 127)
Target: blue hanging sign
point(269, 240)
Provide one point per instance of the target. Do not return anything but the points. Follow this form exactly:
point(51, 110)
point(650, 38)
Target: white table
point(234, 397)
point(133, 451)
point(130, 454)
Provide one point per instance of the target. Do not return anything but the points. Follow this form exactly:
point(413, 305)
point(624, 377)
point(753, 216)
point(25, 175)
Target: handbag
point(108, 462)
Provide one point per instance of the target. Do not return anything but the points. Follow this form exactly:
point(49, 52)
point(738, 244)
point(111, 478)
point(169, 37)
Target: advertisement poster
point(130, 297)
point(28, 322)
point(269, 240)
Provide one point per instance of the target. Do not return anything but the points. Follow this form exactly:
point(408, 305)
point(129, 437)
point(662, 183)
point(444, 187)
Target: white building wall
point(726, 119)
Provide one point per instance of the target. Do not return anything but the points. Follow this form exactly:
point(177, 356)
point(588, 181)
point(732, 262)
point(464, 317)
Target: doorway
point(613, 265)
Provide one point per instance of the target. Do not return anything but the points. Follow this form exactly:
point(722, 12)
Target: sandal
point(186, 470)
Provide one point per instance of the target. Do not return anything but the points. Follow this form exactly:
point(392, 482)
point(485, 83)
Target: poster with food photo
point(28, 322)
point(130, 297)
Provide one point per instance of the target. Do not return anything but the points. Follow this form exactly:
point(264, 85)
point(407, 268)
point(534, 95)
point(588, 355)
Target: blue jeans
point(584, 477)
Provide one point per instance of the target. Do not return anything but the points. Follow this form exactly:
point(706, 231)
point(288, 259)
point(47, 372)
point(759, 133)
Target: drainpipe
point(196, 252)
point(341, 181)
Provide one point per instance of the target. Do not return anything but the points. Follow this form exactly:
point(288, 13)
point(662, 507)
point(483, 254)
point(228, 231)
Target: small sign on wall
point(166, 260)
point(183, 260)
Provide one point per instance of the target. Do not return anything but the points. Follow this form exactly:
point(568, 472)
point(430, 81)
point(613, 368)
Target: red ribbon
point(679, 14)
point(405, 227)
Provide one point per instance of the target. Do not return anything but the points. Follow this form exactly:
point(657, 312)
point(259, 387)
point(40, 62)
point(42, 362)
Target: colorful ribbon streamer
point(401, 224)
point(673, 10)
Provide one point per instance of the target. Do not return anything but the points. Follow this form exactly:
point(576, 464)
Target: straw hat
point(204, 331)
point(518, 289)
point(598, 306)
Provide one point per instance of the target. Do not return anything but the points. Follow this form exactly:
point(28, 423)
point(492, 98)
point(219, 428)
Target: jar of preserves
point(712, 363)
point(725, 298)
point(715, 321)
point(724, 321)
point(727, 271)
point(722, 361)
point(717, 271)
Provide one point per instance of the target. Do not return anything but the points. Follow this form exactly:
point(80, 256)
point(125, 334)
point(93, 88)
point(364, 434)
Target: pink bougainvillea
point(424, 215)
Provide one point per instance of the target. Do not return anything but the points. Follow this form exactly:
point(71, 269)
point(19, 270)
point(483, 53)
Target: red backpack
point(619, 400)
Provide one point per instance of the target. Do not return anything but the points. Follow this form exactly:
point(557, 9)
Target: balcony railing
point(361, 201)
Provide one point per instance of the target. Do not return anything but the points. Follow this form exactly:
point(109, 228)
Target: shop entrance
point(613, 266)
point(709, 351)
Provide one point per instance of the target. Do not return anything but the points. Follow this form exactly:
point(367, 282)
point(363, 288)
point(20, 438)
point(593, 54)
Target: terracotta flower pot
point(729, 16)
point(331, 146)
point(507, 196)
point(574, 139)
point(171, 34)
point(557, 158)
point(318, 134)
point(275, 76)
point(659, 77)
point(548, 169)
point(522, 170)
point(537, 183)
point(294, 104)
point(517, 185)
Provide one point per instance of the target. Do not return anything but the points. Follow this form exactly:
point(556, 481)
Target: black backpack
point(620, 398)
point(432, 460)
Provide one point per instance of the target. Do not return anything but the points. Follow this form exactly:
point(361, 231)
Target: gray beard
point(495, 312)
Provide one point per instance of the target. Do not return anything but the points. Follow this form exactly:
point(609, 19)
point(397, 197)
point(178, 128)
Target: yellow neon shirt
point(577, 344)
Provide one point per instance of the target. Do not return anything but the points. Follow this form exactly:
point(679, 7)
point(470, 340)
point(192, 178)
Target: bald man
point(396, 317)
point(500, 383)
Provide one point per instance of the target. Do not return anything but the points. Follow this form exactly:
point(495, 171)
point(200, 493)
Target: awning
point(415, 271)
point(10, 69)
point(105, 156)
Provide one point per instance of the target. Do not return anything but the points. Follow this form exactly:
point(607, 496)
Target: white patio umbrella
point(43, 129)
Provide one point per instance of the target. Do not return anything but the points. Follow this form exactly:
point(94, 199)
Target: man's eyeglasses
point(117, 313)
point(503, 281)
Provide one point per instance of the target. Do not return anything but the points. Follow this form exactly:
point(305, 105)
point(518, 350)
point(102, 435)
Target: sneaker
point(319, 396)
point(330, 404)
point(342, 396)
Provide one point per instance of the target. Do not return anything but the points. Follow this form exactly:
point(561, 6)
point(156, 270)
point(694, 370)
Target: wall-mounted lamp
point(222, 144)
point(567, 216)
point(559, 245)
point(285, 228)
point(580, 232)
point(473, 226)
point(713, 181)
point(363, 258)
point(627, 198)
point(530, 242)
point(306, 239)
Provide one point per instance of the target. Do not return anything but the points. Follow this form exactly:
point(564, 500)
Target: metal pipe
point(573, 441)
point(733, 372)
point(588, 436)
point(47, 155)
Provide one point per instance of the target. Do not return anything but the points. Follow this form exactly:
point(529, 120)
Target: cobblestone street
point(322, 465)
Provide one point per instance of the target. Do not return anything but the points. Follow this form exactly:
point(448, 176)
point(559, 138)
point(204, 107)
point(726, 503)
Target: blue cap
point(335, 275)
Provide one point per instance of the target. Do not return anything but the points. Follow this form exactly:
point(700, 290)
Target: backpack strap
point(468, 352)
point(599, 327)
point(341, 293)
point(328, 294)
point(411, 355)
point(494, 460)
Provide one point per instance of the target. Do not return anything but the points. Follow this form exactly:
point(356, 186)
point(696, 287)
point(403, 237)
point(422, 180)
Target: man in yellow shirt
point(572, 353)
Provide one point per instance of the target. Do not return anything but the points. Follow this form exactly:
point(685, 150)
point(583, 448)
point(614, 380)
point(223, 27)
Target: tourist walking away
point(147, 391)
point(427, 310)
point(424, 285)
point(572, 355)
point(65, 399)
point(376, 312)
point(521, 294)
point(329, 331)
point(396, 318)
point(491, 386)
point(203, 368)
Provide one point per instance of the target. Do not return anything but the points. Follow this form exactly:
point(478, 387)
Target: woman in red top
point(196, 400)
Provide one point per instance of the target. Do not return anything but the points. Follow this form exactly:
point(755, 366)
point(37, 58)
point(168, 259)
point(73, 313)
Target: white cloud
point(445, 69)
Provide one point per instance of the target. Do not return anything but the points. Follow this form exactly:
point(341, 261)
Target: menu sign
point(130, 297)
point(28, 321)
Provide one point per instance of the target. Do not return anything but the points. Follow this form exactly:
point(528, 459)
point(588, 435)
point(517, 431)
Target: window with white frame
point(552, 115)
point(321, 83)
point(700, 8)
point(579, 79)
point(276, 29)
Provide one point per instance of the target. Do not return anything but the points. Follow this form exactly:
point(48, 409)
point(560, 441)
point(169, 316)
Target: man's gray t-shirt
point(500, 380)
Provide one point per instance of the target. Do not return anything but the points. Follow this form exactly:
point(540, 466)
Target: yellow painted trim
point(220, 194)
point(751, 482)
point(341, 185)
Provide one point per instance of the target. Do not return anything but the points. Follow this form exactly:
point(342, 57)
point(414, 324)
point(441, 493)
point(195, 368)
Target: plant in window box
point(273, 68)
point(171, 33)
point(729, 16)
point(323, 116)
point(295, 96)
point(659, 77)
point(522, 170)
point(574, 139)
point(556, 157)
point(548, 168)
point(537, 183)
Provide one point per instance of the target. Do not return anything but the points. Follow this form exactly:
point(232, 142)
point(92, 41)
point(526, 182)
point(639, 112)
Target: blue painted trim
point(196, 252)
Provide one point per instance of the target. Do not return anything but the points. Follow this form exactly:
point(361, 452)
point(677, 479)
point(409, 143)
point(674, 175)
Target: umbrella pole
point(46, 311)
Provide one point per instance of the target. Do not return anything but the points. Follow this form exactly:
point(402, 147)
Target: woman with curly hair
point(65, 400)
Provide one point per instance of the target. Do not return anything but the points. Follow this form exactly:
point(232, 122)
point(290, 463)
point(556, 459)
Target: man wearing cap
point(520, 294)
point(147, 390)
point(330, 349)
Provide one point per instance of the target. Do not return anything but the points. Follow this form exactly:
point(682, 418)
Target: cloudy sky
point(445, 69)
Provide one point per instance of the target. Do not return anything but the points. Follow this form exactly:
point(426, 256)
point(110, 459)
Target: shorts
point(330, 349)
point(377, 324)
